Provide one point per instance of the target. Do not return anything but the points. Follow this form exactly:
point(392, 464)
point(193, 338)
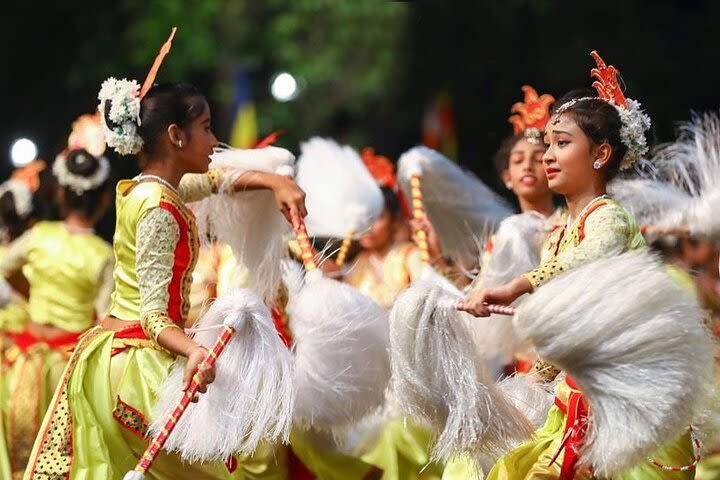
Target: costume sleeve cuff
point(544, 273)
point(154, 323)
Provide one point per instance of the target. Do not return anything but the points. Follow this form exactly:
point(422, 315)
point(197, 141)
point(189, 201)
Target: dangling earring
point(597, 165)
point(509, 185)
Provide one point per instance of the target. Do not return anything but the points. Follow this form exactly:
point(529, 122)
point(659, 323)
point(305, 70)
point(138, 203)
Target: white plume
point(342, 366)
point(692, 163)
point(341, 193)
point(439, 376)
point(634, 342)
point(252, 397)
point(458, 204)
point(249, 221)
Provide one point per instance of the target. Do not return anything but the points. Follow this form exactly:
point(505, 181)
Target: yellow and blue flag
point(243, 133)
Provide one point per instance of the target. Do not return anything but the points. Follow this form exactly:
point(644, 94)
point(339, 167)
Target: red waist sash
point(25, 340)
point(575, 429)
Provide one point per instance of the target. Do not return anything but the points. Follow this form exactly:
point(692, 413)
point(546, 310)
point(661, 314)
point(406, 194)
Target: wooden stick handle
point(418, 212)
point(157, 443)
point(344, 248)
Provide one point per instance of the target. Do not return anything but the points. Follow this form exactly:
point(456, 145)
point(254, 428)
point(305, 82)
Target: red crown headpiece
point(380, 167)
point(533, 113)
point(607, 84)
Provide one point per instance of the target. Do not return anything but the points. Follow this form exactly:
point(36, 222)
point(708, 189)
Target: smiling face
point(525, 173)
point(570, 156)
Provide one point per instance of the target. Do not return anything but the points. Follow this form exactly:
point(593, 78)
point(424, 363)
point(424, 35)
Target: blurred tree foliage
point(344, 54)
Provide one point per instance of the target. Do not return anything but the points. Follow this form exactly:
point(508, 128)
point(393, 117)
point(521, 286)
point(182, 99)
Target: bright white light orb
point(22, 152)
point(284, 87)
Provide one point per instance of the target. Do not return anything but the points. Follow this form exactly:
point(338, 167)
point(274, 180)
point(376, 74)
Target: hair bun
point(81, 162)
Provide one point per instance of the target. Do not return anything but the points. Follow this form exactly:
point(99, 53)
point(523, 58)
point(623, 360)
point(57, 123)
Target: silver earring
point(597, 165)
point(180, 144)
point(509, 185)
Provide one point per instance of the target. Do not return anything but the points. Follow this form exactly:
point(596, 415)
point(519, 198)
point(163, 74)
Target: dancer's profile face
point(569, 157)
point(198, 143)
point(525, 172)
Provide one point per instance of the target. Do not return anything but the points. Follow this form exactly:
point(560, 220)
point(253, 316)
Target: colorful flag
point(243, 133)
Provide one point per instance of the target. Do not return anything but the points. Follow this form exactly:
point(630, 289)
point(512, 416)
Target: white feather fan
point(250, 221)
point(634, 342)
point(252, 397)
point(341, 193)
point(341, 341)
point(654, 203)
point(458, 204)
point(439, 376)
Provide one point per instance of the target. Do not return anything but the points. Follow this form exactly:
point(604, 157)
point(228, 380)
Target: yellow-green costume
point(604, 228)
point(101, 410)
point(66, 272)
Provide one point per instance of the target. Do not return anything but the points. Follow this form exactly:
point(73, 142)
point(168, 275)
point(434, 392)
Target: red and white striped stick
point(157, 443)
point(501, 310)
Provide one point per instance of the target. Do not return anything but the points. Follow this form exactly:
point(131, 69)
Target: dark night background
point(56, 54)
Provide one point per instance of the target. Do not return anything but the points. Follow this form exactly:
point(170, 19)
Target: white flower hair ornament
point(635, 122)
point(119, 106)
point(78, 183)
point(120, 109)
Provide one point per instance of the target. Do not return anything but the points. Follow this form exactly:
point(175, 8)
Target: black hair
point(162, 106)
point(392, 202)
point(600, 121)
point(13, 224)
point(81, 163)
point(44, 200)
point(501, 159)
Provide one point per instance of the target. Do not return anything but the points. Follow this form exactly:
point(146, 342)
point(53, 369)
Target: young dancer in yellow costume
point(69, 272)
point(589, 140)
point(519, 163)
point(98, 418)
point(16, 215)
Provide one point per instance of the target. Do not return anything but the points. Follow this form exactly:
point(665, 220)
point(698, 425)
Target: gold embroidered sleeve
point(545, 370)
point(196, 186)
point(607, 231)
point(154, 323)
point(157, 236)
